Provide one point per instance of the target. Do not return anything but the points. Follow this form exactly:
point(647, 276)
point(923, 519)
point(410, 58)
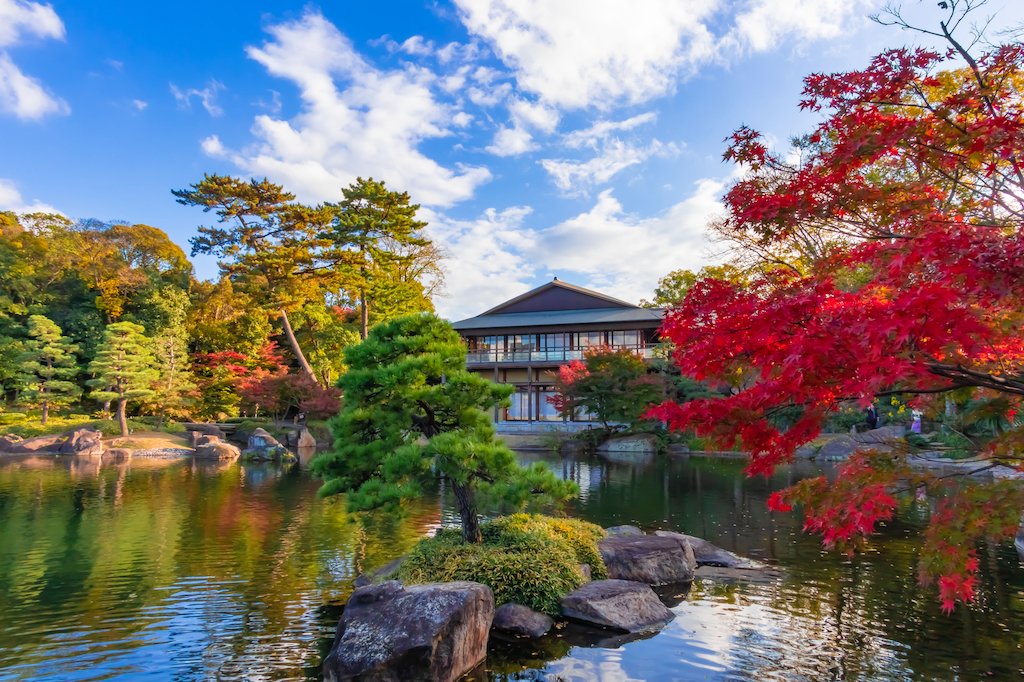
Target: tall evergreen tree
point(274, 247)
point(378, 227)
point(408, 382)
point(124, 368)
point(47, 367)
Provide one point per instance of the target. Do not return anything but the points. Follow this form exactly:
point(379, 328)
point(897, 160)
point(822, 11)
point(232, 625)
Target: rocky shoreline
point(439, 631)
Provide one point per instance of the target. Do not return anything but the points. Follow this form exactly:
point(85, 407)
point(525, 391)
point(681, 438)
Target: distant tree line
point(109, 317)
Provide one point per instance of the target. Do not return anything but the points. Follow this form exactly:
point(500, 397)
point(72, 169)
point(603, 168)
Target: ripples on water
point(175, 570)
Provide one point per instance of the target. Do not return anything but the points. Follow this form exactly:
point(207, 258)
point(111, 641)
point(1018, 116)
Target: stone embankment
point(439, 631)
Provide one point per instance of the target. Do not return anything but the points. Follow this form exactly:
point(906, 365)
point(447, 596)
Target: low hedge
point(526, 559)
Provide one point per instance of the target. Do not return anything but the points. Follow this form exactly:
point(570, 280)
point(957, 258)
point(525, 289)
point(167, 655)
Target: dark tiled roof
point(561, 317)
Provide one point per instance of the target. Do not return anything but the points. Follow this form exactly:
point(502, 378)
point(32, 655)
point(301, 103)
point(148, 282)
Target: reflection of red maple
point(915, 172)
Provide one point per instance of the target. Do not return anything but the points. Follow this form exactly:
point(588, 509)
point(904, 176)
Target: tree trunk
point(295, 346)
point(160, 421)
point(46, 411)
point(470, 522)
point(106, 408)
point(121, 419)
point(364, 318)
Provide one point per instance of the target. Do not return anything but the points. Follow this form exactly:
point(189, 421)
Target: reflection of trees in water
point(220, 571)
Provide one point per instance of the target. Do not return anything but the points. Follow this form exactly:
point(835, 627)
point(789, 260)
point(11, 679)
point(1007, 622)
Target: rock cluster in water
point(439, 631)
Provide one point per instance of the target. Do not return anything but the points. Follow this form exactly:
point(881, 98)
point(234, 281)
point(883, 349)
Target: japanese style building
point(524, 340)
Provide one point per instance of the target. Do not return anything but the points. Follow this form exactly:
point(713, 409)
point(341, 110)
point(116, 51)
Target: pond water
point(190, 571)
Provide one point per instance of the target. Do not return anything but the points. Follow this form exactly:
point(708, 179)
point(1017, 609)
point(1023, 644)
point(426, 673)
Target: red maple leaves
point(914, 176)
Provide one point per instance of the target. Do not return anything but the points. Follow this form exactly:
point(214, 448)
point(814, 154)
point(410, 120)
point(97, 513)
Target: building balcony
point(522, 357)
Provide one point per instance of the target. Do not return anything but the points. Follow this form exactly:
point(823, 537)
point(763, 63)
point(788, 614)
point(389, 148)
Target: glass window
point(592, 339)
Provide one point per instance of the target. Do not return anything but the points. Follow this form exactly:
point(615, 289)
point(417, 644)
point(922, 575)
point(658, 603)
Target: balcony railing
point(521, 356)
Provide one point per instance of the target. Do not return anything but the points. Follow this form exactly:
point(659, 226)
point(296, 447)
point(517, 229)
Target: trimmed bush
point(527, 559)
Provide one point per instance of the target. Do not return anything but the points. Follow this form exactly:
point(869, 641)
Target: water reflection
point(198, 570)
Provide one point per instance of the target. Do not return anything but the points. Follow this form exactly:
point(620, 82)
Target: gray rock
point(263, 446)
point(379, 573)
point(521, 621)
point(806, 452)
point(214, 430)
point(219, 451)
point(37, 445)
point(306, 439)
point(205, 440)
point(616, 531)
point(116, 455)
point(193, 438)
point(84, 441)
point(648, 559)
point(884, 434)
point(392, 633)
point(585, 570)
point(291, 439)
point(678, 451)
point(707, 554)
point(617, 604)
point(838, 448)
point(9, 441)
point(636, 449)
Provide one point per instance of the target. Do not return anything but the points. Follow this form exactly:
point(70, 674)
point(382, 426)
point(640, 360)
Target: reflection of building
point(523, 341)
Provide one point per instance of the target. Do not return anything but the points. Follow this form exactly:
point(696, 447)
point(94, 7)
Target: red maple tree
point(915, 178)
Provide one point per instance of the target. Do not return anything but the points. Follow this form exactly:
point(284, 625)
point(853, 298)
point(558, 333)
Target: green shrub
point(12, 418)
point(173, 427)
point(697, 443)
point(527, 559)
point(110, 428)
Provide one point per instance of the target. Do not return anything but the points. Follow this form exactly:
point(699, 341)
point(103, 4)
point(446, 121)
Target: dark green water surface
point(174, 570)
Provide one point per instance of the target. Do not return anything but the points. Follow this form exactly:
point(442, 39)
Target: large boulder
point(636, 449)
point(9, 441)
point(263, 446)
point(648, 559)
point(194, 437)
point(521, 621)
point(393, 633)
point(218, 451)
point(838, 448)
point(214, 430)
point(306, 439)
point(84, 441)
point(707, 554)
point(617, 604)
point(37, 445)
point(205, 440)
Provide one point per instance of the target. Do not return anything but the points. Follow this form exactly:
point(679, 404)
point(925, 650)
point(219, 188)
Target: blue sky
point(543, 138)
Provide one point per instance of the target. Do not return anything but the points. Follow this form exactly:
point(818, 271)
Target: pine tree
point(408, 382)
point(124, 368)
point(47, 367)
point(380, 228)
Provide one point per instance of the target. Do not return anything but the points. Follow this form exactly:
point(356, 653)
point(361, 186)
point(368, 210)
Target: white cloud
point(511, 141)
point(496, 256)
point(10, 200)
point(139, 104)
point(486, 266)
point(573, 177)
point(535, 114)
point(589, 137)
point(116, 65)
point(417, 46)
point(208, 95)
point(369, 126)
point(612, 52)
point(212, 146)
point(24, 96)
point(273, 106)
point(625, 254)
point(487, 96)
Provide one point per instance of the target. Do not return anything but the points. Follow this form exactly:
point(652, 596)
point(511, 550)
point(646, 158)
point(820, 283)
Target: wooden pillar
point(529, 394)
point(496, 408)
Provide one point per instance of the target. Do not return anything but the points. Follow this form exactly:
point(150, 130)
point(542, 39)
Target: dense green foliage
point(613, 386)
point(525, 559)
point(288, 278)
point(47, 366)
point(123, 368)
point(410, 411)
